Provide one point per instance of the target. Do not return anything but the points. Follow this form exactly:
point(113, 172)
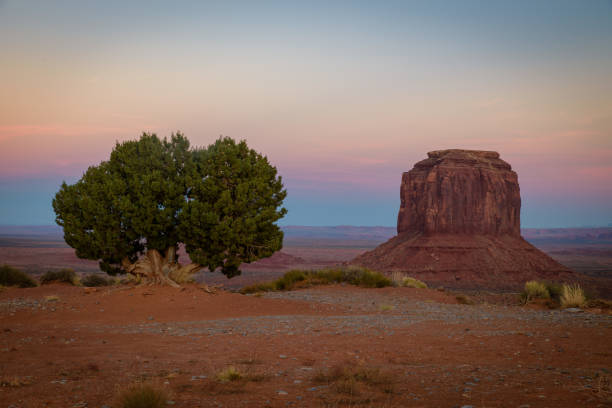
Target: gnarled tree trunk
point(159, 270)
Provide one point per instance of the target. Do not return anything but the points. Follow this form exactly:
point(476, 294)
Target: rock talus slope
point(459, 225)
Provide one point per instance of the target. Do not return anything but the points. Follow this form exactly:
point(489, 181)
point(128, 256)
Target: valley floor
point(64, 346)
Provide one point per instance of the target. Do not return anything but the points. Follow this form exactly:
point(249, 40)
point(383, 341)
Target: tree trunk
point(155, 269)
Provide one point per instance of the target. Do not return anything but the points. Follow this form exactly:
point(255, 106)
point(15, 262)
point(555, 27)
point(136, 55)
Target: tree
point(132, 211)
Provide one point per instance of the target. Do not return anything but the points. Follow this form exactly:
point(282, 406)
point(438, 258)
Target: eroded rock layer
point(462, 192)
point(459, 225)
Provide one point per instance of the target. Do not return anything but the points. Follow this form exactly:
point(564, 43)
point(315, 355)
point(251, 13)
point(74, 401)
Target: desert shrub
point(93, 280)
point(554, 290)
point(464, 300)
point(347, 377)
point(353, 275)
point(534, 290)
point(10, 276)
point(142, 395)
point(599, 303)
point(572, 296)
point(228, 374)
point(413, 283)
point(289, 279)
point(365, 277)
point(65, 275)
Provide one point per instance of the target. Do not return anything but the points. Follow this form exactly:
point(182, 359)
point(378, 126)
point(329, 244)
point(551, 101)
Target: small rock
point(150, 318)
point(282, 356)
point(574, 310)
point(281, 392)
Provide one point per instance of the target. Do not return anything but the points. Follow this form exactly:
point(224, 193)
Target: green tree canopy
point(222, 202)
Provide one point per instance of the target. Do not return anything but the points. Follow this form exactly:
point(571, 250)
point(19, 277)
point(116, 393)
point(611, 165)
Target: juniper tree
point(131, 212)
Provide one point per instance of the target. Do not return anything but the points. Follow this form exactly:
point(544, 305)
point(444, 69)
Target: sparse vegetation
point(347, 378)
point(464, 300)
point(94, 280)
point(10, 276)
point(142, 395)
point(15, 382)
point(65, 275)
point(572, 296)
point(400, 279)
point(413, 283)
point(296, 278)
point(386, 308)
point(229, 374)
point(534, 290)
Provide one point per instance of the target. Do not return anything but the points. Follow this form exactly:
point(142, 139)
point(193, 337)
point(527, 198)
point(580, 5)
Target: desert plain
point(322, 346)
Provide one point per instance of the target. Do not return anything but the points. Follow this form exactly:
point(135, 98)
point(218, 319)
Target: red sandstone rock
point(459, 225)
point(462, 192)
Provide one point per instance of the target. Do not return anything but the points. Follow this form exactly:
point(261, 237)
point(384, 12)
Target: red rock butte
point(459, 225)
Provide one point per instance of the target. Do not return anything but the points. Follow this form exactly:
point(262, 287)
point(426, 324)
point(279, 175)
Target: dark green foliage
point(298, 278)
point(231, 213)
point(221, 202)
point(554, 290)
point(94, 280)
point(62, 276)
point(10, 276)
point(133, 198)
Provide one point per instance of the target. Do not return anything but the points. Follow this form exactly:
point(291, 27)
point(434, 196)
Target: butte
point(459, 225)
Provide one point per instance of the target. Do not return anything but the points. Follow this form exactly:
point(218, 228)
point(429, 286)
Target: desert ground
point(325, 346)
point(66, 346)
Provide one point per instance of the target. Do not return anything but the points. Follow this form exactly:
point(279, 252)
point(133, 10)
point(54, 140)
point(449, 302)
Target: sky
point(341, 96)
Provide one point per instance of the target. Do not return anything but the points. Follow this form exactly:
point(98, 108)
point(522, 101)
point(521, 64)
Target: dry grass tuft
point(229, 374)
point(535, 290)
point(464, 300)
point(413, 283)
point(15, 382)
point(400, 279)
point(350, 378)
point(142, 395)
point(572, 296)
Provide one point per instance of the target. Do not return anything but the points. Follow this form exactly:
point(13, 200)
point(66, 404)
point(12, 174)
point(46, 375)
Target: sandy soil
point(64, 346)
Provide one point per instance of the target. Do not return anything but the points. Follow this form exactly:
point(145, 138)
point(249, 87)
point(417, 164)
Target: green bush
point(289, 279)
point(65, 275)
point(93, 280)
point(554, 290)
point(353, 275)
point(10, 276)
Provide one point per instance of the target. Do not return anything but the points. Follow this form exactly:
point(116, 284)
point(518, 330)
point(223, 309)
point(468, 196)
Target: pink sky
point(345, 104)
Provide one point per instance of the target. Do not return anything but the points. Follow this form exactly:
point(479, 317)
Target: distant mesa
point(459, 225)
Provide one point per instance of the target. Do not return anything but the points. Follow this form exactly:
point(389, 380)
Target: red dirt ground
point(64, 346)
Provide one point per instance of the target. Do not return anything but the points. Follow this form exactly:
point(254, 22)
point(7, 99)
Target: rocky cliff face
point(460, 192)
point(459, 225)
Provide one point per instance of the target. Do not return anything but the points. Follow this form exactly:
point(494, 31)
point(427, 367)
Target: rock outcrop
point(459, 225)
